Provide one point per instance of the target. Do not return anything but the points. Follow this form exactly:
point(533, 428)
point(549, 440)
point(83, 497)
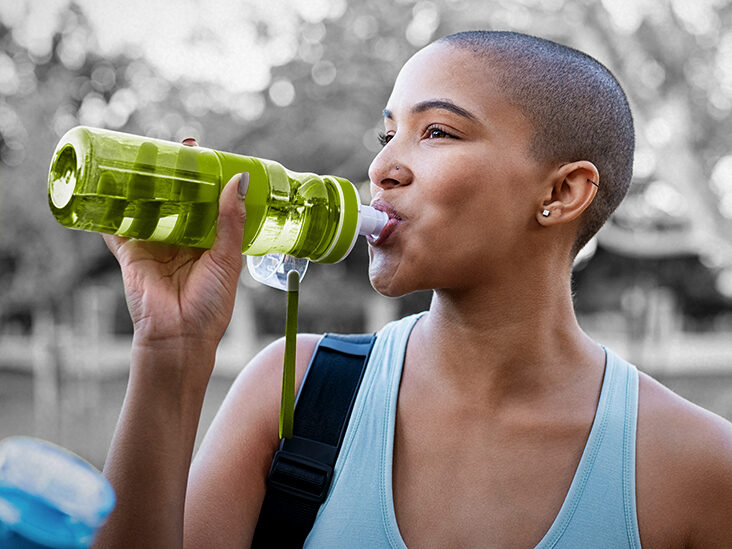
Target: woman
point(491, 420)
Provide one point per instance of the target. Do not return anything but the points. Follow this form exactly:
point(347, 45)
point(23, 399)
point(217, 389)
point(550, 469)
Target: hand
point(174, 293)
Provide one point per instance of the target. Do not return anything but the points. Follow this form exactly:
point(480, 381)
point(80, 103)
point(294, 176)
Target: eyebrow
point(442, 104)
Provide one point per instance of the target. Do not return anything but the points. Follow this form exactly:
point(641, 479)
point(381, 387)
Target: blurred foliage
point(324, 70)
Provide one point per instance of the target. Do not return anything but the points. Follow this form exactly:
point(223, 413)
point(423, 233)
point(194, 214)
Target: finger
point(190, 142)
point(230, 223)
point(113, 242)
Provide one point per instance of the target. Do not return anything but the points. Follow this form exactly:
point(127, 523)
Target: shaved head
point(577, 108)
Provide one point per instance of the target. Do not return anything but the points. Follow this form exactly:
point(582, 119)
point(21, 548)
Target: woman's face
point(455, 175)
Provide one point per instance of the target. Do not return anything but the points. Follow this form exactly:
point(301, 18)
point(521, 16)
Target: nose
point(386, 171)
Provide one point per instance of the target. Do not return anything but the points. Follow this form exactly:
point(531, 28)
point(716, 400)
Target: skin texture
point(485, 444)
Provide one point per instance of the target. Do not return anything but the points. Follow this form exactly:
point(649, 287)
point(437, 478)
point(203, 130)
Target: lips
point(395, 219)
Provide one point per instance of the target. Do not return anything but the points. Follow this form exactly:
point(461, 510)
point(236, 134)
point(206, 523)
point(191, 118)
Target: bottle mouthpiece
point(372, 221)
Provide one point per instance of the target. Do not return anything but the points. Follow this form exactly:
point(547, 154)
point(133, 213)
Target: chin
point(390, 292)
point(386, 282)
point(396, 275)
point(387, 288)
point(390, 282)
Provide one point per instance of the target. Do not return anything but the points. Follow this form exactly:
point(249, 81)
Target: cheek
point(462, 189)
point(481, 230)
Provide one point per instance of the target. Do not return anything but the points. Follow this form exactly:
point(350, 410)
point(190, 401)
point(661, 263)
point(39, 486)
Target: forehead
point(442, 71)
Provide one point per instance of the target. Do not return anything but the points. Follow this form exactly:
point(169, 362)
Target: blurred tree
point(52, 93)
point(319, 74)
point(675, 71)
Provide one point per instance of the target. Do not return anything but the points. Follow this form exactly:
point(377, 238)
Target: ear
point(573, 187)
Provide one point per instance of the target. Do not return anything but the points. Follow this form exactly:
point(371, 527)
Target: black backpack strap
point(302, 468)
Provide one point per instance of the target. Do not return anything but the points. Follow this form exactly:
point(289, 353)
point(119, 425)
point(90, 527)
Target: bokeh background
point(304, 82)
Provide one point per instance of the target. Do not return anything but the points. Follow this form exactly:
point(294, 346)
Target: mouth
point(395, 219)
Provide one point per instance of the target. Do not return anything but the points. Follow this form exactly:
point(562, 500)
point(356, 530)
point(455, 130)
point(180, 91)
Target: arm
point(684, 471)
point(709, 478)
point(180, 301)
point(227, 480)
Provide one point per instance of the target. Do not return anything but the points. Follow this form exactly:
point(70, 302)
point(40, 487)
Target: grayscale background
point(304, 82)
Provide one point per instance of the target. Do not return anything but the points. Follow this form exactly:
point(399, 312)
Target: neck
point(501, 342)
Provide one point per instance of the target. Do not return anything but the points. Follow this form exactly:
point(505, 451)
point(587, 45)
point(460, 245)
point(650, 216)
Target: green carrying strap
point(287, 403)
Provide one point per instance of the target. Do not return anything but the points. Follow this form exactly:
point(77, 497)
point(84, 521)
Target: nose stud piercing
point(545, 213)
point(396, 168)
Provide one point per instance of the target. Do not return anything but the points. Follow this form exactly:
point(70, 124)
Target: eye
point(384, 138)
point(435, 132)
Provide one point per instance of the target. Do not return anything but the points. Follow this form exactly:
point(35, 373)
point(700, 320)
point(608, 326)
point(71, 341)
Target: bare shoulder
point(227, 479)
point(684, 471)
point(265, 370)
point(258, 386)
point(688, 434)
point(255, 394)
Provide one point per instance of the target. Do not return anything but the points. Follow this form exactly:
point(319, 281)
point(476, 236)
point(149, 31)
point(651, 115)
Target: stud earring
point(545, 213)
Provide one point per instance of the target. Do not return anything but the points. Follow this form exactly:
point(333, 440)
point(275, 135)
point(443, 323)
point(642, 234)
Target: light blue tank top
point(598, 511)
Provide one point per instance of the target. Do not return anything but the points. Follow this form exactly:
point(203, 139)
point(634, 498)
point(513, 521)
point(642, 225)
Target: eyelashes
point(431, 132)
point(383, 138)
point(435, 132)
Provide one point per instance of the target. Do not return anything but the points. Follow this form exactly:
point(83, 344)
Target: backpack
point(302, 468)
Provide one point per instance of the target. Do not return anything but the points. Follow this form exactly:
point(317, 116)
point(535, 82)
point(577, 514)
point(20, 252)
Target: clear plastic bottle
point(139, 187)
point(49, 497)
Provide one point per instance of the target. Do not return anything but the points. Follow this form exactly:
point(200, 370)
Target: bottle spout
point(372, 221)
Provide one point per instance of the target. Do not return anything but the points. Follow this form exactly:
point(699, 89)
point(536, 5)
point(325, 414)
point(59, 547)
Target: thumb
point(114, 243)
point(230, 223)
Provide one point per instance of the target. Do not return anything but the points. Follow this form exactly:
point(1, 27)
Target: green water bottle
point(150, 189)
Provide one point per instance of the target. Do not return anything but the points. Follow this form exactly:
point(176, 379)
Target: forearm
point(150, 455)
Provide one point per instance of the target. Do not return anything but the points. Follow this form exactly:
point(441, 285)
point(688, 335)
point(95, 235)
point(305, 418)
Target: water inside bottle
point(176, 201)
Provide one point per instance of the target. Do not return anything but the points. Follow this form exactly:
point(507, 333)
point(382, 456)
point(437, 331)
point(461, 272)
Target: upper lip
point(387, 208)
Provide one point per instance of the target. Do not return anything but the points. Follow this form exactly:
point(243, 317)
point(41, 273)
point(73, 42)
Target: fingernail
point(243, 184)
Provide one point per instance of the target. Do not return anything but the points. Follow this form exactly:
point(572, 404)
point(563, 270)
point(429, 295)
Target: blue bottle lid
point(49, 497)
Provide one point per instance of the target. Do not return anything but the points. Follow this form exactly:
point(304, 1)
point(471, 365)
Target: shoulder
point(684, 469)
point(268, 361)
point(260, 383)
point(688, 434)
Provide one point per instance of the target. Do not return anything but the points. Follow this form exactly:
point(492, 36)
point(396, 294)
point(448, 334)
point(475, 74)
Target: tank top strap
point(358, 511)
point(600, 504)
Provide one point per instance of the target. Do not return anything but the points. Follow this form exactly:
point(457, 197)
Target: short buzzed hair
point(577, 108)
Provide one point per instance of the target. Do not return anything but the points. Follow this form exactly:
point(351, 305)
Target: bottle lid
point(49, 496)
